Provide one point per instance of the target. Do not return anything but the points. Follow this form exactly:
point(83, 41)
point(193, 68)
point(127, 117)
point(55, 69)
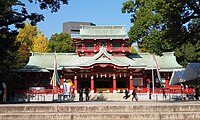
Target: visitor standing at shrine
point(80, 94)
point(66, 90)
point(87, 93)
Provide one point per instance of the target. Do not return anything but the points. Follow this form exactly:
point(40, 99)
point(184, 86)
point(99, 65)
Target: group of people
point(68, 90)
point(86, 91)
point(134, 95)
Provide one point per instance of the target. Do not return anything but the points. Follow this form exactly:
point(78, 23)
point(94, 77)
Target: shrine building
point(103, 63)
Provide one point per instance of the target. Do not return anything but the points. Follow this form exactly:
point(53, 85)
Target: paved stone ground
point(103, 97)
point(132, 103)
point(104, 103)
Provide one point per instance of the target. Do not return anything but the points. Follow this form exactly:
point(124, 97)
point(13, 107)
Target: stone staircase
point(101, 111)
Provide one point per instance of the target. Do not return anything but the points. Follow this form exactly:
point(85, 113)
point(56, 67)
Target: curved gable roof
point(165, 62)
point(104, 57)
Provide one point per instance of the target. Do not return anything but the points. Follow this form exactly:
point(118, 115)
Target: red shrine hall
point(103, 63)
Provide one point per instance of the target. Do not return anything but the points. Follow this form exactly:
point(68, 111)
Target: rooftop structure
point(102, 32)
point(74, 27)
point(92, 38)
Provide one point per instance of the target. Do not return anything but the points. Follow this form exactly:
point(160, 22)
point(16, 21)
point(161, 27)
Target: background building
point(74, 27)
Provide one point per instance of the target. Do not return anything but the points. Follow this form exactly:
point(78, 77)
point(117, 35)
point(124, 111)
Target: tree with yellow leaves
point(40, 43)
point(31, 40)
point(133, 50)
point(27, 34)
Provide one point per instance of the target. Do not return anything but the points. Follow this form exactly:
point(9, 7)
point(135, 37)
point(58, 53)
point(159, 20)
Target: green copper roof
point(73, 61)
point(98, 32)
point(46, 60)
point(165, 62)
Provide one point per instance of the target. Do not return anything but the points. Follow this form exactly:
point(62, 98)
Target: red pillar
point(131, 83)
point(75, 84)
point(61, 84)
point(114, 84)
point(167, 83)
point(92, 84)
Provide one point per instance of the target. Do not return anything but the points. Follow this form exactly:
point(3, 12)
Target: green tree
point(40, 43)
point(164, 25)
point(14, 12)
point(8, 48)
point(12, 15)
point(190, 51)
point(61, 43)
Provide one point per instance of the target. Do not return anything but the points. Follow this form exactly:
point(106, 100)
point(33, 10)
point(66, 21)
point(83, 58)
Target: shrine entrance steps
point(126, 110)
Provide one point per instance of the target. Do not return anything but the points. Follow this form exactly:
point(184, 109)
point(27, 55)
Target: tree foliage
point(190, 51)
point(165, 25)
point(22, 56)
point(26, 35)
point(61, 43)
point(40, 43)
point(12, 15)
point(31, 40)
point(8, 48)
point(14, 12)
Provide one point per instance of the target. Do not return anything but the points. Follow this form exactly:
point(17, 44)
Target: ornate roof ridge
point(102, 27)
point(164, 53)
point(38, 53)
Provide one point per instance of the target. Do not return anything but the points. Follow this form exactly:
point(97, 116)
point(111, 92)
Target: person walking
point(87, 93)
point(134, 95)
point(126, 94)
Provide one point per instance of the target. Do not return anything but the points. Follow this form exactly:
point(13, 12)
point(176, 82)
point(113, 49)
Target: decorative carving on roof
point(103, 56)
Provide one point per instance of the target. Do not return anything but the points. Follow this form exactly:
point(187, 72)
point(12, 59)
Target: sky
point(99, 12)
